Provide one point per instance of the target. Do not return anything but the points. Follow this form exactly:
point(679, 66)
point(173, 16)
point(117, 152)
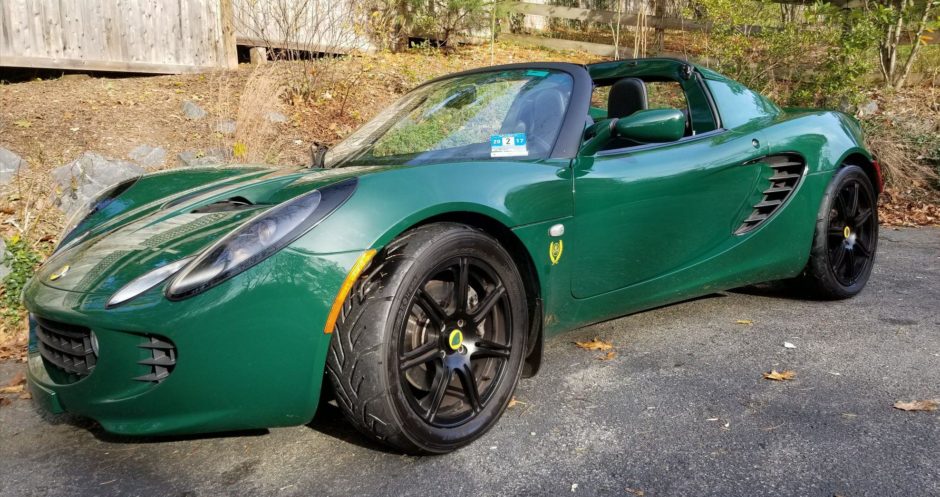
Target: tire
point(846, 237)
point(401, 333)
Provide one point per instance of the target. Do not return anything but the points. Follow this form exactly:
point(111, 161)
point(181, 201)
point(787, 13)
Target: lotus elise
point(416, 268)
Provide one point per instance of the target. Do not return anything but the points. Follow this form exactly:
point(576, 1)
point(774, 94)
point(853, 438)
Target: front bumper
point(250, 353)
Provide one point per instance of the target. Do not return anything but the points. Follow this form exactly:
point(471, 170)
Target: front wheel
point(430, 344)
point(846, 237)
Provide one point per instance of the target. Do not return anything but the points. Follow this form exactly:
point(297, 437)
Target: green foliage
point(815, 55)
point(22, 259)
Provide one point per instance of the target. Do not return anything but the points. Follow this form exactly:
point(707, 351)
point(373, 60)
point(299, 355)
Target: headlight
point(258, 239)
point(146, 282)
point(74, 228)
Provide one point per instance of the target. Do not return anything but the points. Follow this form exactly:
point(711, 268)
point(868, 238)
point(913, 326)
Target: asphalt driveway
point(681, 409)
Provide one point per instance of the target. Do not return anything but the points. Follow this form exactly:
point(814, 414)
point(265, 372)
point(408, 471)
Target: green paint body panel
point(653, 126)
point(645, 226)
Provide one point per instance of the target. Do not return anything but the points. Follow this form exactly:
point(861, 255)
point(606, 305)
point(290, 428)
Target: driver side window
point(625, 96)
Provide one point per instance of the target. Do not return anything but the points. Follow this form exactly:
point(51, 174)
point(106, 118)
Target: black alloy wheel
point(455, 343)
point(431, 341)
point(846, 238)
point(852, 231)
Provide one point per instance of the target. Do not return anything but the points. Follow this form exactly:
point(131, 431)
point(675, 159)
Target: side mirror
point(653, 126)
point(645, 126)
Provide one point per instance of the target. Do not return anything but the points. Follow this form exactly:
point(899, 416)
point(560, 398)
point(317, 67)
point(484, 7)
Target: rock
point(148, 156)
point(82, 179)
point(208, 157)
point(5, 268)
point(276, 117)
point(193, 111)
point(868, 108)
point(10, 165)
point(225, 126)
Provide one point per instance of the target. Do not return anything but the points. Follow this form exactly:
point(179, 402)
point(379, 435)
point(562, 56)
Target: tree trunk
point(660, 12)
point(889, 46)
point(915, 47)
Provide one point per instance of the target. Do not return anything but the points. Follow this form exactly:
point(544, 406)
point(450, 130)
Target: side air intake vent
point(162, 359)
point(787, 171)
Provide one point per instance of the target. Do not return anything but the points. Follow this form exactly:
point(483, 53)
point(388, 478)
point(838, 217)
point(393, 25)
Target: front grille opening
point(161, 360)
point(69, 352)
point(787, 171)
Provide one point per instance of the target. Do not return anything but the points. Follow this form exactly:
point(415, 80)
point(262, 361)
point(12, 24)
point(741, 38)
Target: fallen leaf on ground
point(5, 401)
point(918, 405)
point(780, 375)
point(745, 322)
point(26, 396)
point(513, 402)
point(19, 379)
point(596, 344)
point(608, 356)
point(636, 491)
point(8, 390)
point(789, 345)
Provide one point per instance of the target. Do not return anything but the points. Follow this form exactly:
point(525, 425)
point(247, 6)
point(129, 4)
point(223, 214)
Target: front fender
point(388, 202)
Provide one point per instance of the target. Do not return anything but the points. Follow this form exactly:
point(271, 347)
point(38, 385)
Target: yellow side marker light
point(361, 264)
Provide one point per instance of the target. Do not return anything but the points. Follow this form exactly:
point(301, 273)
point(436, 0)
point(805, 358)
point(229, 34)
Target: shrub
point(22, 259)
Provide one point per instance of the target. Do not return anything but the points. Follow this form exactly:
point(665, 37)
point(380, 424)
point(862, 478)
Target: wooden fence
point(115, 35)
point(159, 36)
point(309, 25)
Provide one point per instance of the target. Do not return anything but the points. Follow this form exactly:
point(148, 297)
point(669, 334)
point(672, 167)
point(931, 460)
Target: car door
point(648, 211)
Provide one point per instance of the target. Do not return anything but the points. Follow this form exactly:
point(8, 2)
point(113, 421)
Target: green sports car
point(421, 263)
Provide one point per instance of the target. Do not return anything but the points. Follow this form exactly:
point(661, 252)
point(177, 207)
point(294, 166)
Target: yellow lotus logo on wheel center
point(846, 232)
point(455, 339)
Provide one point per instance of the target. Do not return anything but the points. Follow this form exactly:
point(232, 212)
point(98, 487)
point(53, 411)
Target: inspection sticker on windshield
point(512, 145)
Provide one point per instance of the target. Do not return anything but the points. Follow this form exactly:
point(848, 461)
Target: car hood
point(175, 227)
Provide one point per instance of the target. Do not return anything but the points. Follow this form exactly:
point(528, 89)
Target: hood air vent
point(786, 173)
point(227, 205)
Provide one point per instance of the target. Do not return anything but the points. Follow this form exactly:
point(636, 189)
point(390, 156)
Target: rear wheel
point(846, 237)
point(431, 341)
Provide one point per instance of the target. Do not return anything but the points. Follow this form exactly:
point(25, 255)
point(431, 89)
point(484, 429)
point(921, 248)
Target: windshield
point(492, 115)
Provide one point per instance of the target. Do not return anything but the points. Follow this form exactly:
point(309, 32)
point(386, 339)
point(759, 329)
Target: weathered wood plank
point(103, 65)
point(168, 35)
point(229, 45)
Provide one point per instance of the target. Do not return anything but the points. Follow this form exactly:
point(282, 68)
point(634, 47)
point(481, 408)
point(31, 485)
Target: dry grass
point(902, 169)
point(905, 136)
